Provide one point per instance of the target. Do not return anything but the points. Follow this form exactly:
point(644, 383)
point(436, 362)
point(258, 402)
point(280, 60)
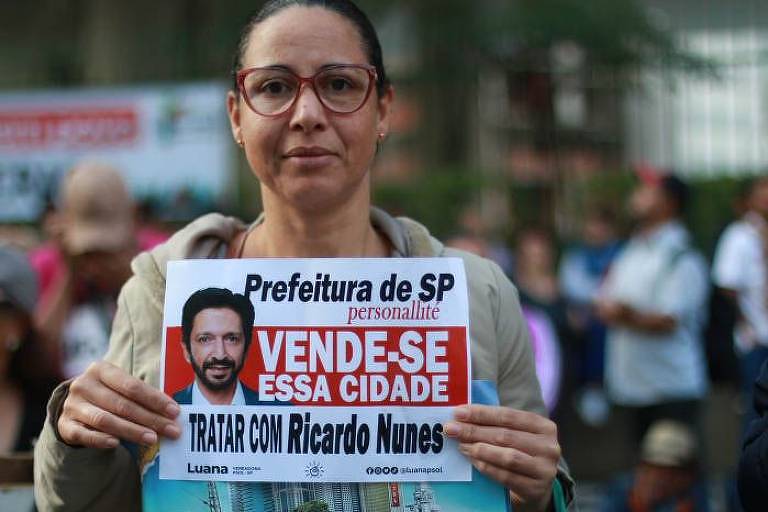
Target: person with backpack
point(653, 303)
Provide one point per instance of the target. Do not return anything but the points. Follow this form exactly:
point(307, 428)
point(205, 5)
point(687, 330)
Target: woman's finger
point(532, 444)
point(136, 390)
point(100, 420)
point(122, 407)
point(75, 433)
point(511, 460)
point(505, 417)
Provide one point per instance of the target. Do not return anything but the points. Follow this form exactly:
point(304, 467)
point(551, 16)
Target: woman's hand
point(517, 448)
point(105, 405)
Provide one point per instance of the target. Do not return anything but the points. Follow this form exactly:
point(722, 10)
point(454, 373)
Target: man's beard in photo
point(217, 385)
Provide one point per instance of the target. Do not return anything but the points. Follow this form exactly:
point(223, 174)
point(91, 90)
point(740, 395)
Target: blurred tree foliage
point(714, 202)
point(436, 197)
point(456, 38)
point(617, 34)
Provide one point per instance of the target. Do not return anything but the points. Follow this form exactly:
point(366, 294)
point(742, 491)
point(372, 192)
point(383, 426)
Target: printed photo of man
point(216, 328)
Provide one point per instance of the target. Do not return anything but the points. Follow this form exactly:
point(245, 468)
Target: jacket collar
point(209, 237)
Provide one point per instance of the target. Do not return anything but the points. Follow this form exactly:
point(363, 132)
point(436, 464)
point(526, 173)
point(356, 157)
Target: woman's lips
point(307, 151)
point(310, 156)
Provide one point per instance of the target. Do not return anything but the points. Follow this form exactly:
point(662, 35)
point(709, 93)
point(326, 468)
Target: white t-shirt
point(85, 336)
point(740, 265)
point(659, 273)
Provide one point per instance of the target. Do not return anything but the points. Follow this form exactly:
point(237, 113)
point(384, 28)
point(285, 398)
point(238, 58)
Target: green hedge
point(435, 199)
point(711, 208)
point(438, 198)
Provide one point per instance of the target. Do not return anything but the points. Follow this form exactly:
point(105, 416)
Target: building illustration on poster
point(423, 500)
point(338, 497)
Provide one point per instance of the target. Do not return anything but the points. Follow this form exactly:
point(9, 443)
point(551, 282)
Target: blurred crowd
point(638, 323)
point(58, 294)
point(633, 322)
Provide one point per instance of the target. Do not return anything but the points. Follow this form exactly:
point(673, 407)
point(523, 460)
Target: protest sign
point(481, 493)
point(321, 370)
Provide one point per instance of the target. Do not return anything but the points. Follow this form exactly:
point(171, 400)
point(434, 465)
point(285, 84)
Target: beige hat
point(670, 444)
point(97, 209)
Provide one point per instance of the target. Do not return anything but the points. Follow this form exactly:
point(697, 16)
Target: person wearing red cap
point(652, 301)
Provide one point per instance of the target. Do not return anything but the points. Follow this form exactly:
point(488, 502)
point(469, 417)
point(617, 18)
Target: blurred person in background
point(150, 230)
point(535, 277)
point(543, 333)
point(24, 383)
point(653, 301)
point(667, 478)
point(82, 270)
point(740, 272)
point(475, 231)
point(310, 103)
point(581, 273)
point(546, 354)
point(753, 465)
point(543, 305)
point(470, 243)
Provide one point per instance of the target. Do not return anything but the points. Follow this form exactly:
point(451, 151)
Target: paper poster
point(481, 493)
point(348, 373)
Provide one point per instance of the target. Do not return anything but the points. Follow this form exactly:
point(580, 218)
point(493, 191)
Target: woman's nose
point(308, 112)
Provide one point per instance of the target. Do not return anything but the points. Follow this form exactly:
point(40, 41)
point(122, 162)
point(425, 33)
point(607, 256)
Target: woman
point(311, 105)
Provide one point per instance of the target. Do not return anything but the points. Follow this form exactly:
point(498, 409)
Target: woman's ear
point(233, 111)
point(385, 111)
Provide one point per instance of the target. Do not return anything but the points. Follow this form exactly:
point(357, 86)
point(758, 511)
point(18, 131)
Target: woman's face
point(309, 158)
point(535, 252)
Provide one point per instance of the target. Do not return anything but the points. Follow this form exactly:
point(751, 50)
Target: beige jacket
point(79, 479)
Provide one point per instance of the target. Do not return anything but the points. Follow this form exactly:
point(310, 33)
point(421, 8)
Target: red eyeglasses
point(271, 91)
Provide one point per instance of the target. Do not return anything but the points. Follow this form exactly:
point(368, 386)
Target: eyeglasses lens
point(341, 89)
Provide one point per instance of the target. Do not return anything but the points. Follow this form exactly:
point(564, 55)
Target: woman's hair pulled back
point(345, 8)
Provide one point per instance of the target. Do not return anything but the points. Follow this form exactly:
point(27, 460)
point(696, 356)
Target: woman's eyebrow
point(337, 64)
point(276, 67)
point(285, 67)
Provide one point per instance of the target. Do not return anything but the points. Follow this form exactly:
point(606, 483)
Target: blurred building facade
point(706, 125)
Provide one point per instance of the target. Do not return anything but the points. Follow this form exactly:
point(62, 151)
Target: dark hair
point(216, 298)
point(345, 8)
point(601, 213)
point(677, 190)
